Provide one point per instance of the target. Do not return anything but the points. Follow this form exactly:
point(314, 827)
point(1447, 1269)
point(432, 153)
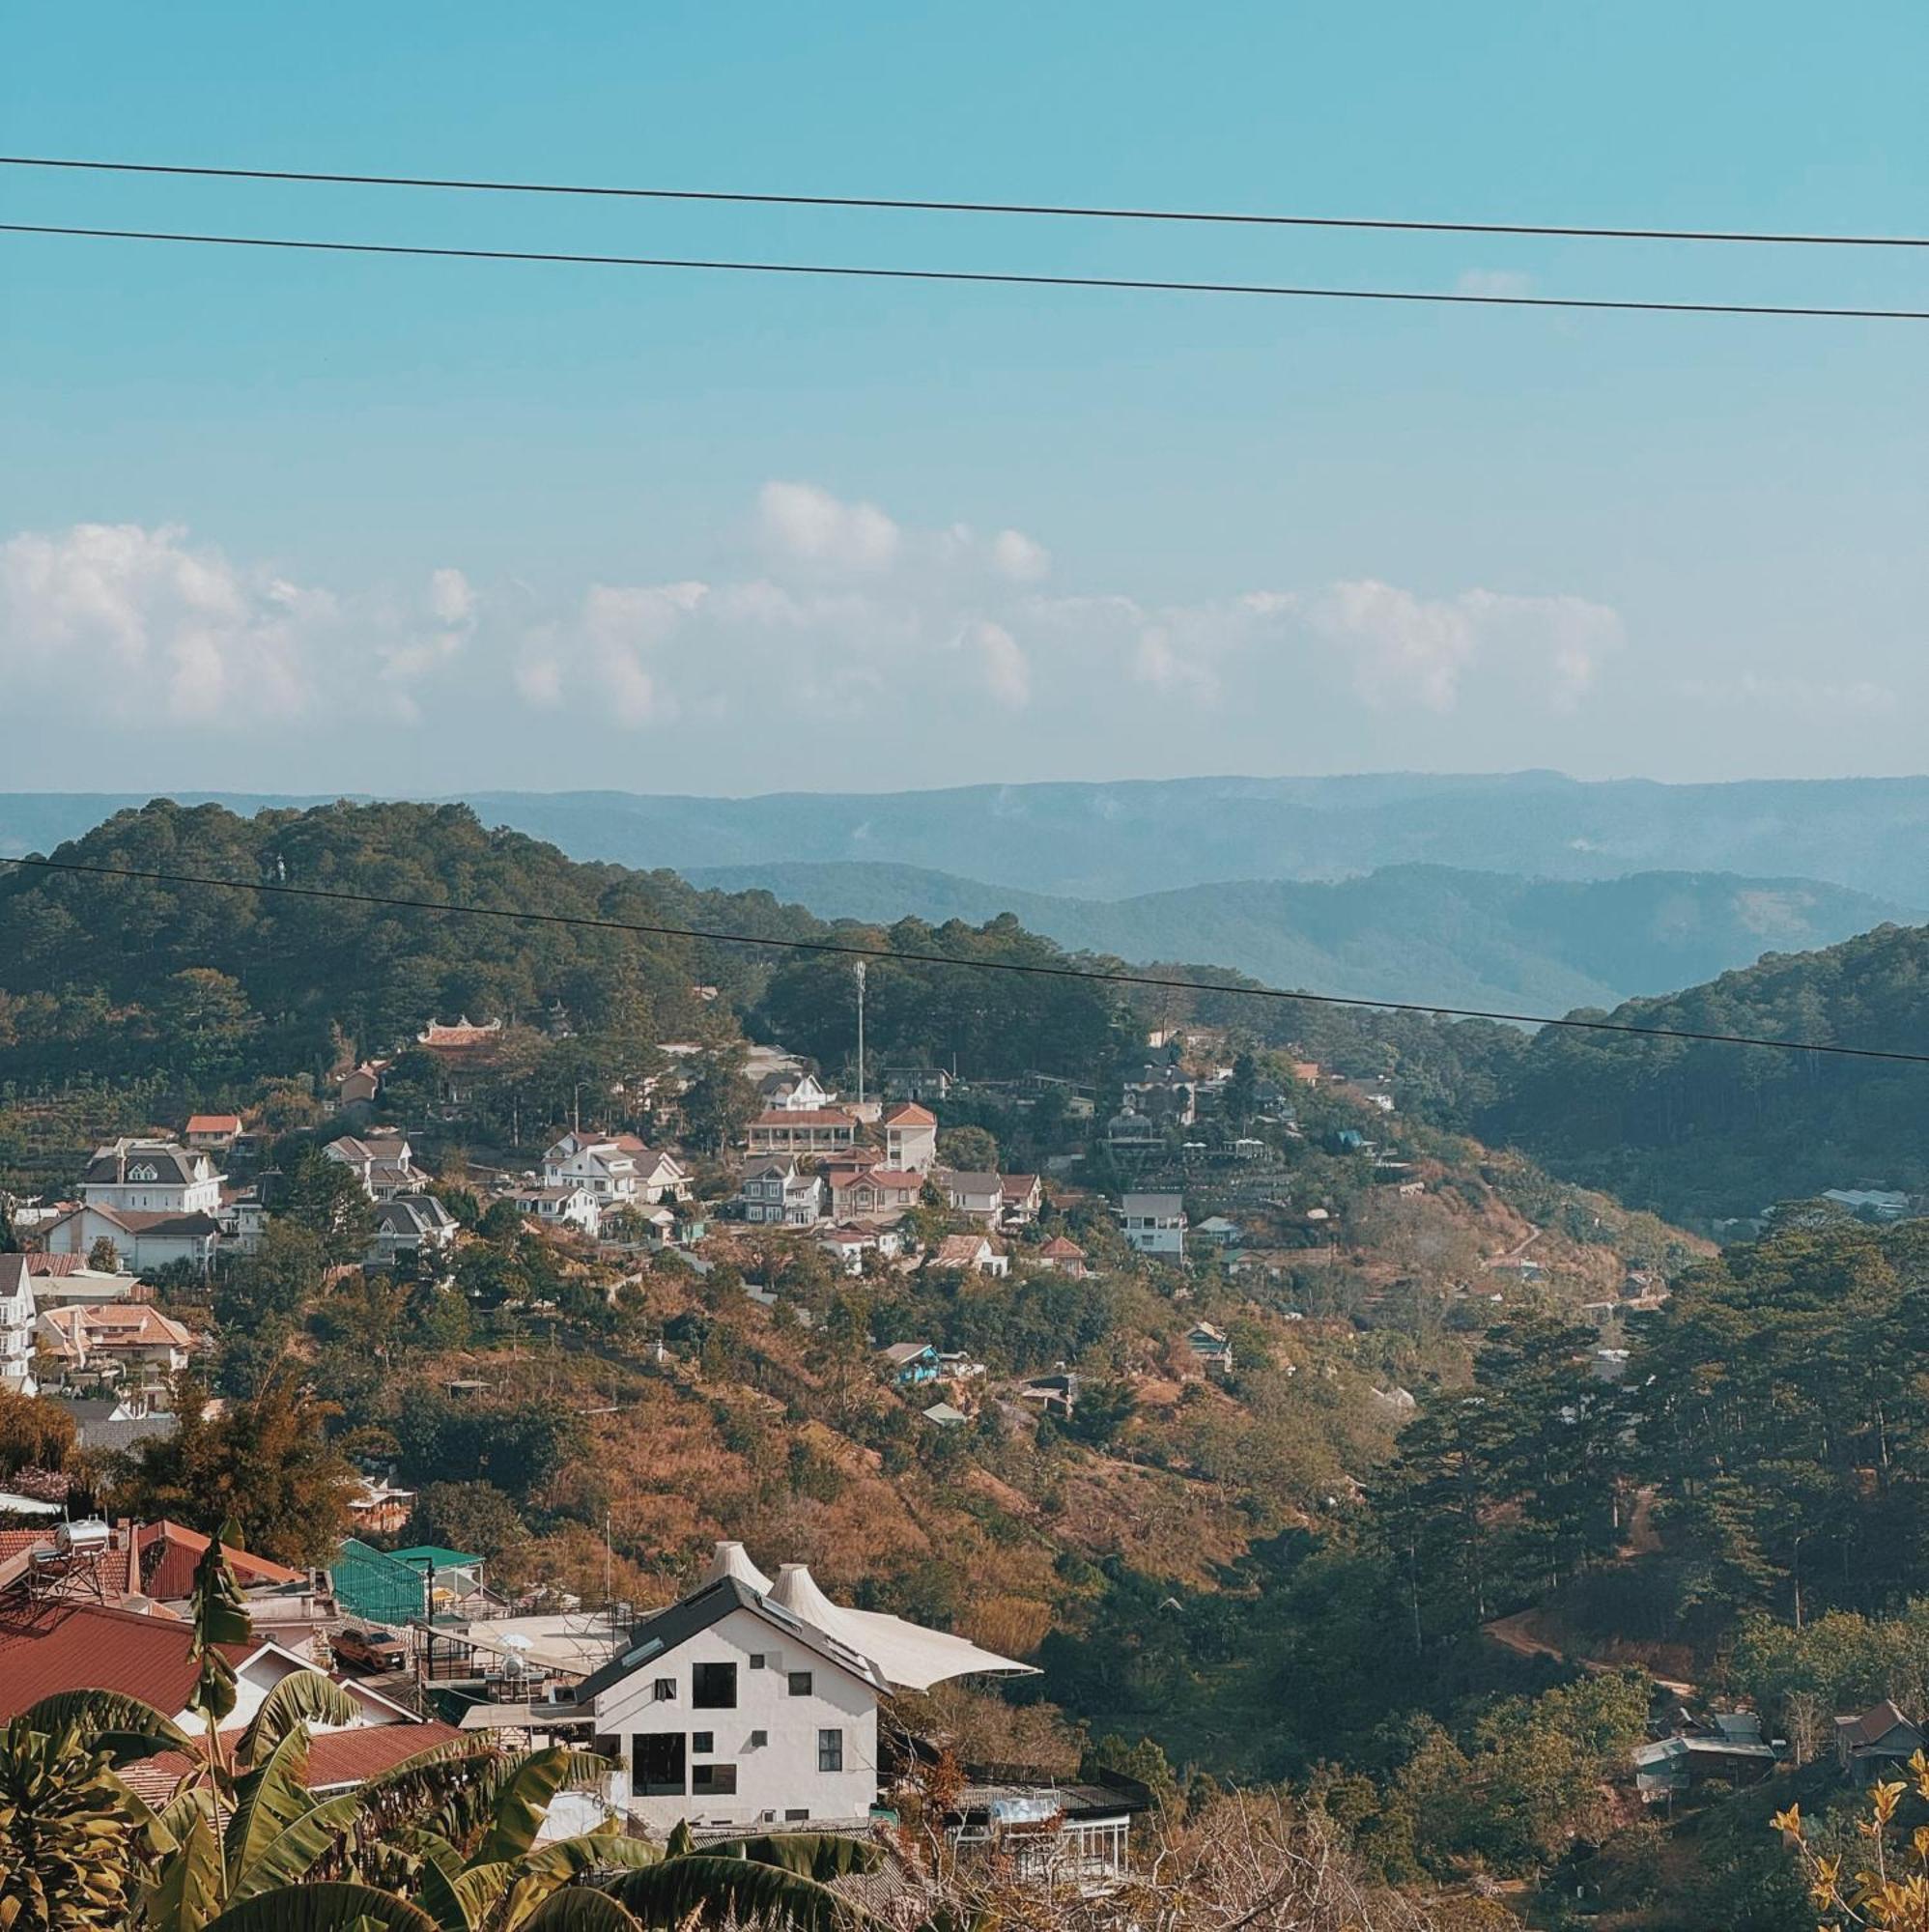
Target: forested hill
point(112, 978)
point(1405, 932)
point(1701, 1129)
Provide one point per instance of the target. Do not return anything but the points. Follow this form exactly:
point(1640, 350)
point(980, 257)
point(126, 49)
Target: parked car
point(368, 1650)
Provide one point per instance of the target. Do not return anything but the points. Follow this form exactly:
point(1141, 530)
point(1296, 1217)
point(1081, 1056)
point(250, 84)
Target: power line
point(1038, 970)
point(923, 206)
point(981, 278)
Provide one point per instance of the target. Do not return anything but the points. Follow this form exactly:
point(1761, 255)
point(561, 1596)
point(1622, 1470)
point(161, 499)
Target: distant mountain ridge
point(1405, 932)
point(1108, 841)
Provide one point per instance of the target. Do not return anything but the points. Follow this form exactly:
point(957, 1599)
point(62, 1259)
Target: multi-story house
point(756, 1703)
point(156, 1201)
point(803, 1130)
point(911, 1138)
point(872, 1193)
point(980, 1195)
point(618, 1169)
point(412, 1224)
point(16, 1325)
point(1154, 1224)
point(382, 1160)
point(778, 1193)
point(565, 1205)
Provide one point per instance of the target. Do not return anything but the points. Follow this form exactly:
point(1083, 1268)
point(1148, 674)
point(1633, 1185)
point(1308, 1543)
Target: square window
point(703, 1741)
point(713, 1780)
point(756, 1660)
point(713, 1687)
point(830, 1750)
point(800, 1683)
point(758, 1740)
point(664, 1690)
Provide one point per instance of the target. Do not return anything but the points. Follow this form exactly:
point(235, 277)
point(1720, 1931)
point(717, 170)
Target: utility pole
point(859, 970)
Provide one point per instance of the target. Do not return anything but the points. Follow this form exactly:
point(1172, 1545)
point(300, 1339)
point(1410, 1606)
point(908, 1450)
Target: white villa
point(755, 1703)
point(155, 1200)
point(617, 1169)
point(382, 1160)
point(911, 1138)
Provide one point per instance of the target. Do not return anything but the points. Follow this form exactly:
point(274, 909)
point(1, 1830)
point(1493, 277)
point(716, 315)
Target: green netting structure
point(372, 1585)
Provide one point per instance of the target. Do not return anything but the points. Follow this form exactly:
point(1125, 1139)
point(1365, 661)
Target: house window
point(656, 1764)
point(703, 1741)
point(713, 1780)
point(800, 1683)
point(796, 1817)
point(664, 1690)
point(830, 1750)
point(756, 1660)
point(713, 1687)
point(759, 1739)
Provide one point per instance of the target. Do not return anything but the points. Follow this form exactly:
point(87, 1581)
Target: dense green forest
point(117, 981)
point(1703, 1130)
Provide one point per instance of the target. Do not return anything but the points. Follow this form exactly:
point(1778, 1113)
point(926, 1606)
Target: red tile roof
point(1063, 1248)
point(170, 1551)
point(334, 1757)
point(83, 1647)
point(213, 1123)
point(910, 1115)
point(350, 1757)
point(807, 1117)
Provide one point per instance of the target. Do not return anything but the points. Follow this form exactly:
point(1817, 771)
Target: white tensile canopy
point(907, 1656)
point(732, 1559)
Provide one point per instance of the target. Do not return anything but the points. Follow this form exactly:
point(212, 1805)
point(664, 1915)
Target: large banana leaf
point(188, 1893)
point(818, 1855)
point(267, 1800)
point(301, 1697)
point(292, 1854)
point(125, 1727)
point(567, 1861)
point(574, 1909)
point(324, 1908)
point(523, 1801)
point(221, 1617)
point(707, 1889)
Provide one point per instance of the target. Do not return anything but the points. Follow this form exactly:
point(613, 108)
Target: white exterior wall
point(774, 1778)
point(912, 1146)
point(151, 1196)
point(77, 1233)
point(17, 1343)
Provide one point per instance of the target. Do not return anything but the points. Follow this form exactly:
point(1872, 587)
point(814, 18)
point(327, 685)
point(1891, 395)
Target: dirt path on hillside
point(1524, 1634)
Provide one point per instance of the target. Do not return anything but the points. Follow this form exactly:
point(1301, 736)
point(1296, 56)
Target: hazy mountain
point(1109, 841)
point(1423, 932)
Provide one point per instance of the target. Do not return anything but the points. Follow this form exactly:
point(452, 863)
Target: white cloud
point(835, 621)
point(143, 625)
point(804, 522)
point(1408, 649)
point(1015, 556)
point(1007, 675)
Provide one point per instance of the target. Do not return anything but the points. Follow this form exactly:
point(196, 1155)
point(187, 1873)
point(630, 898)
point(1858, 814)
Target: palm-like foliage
point(446, 1841)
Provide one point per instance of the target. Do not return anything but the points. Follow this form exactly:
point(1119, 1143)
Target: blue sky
point(309, 522)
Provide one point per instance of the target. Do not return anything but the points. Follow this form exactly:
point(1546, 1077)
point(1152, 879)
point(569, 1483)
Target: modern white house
point(755, 1703)
point(1154, 1224)
point(800, 1093)
point(16, 1325)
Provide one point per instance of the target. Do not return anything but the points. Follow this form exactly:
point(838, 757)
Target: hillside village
point(1031, 1437)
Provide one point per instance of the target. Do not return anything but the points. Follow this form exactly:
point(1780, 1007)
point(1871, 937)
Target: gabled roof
point(150, 1222)
point(1872, 1726)
point(909, 1114)
point(86, 1647)
point(963, 1180)
point(902, 1352)
point(1063, 1248)
point(213, 1123)
point(655, 1638)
